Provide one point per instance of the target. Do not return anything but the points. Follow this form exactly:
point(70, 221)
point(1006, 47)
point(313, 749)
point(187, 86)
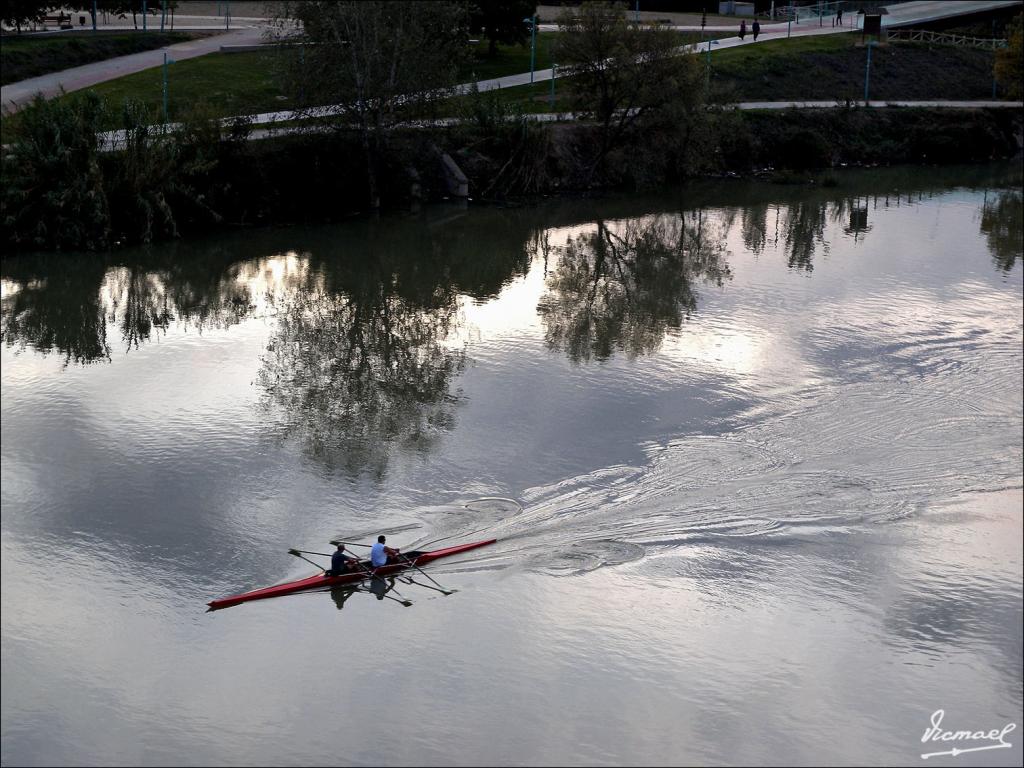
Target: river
point(752, 454)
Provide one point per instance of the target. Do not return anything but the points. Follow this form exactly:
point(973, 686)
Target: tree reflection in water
point(54, 305)
point(362, 361)
point(354, 373)
point(66, 303)
point(1002, 223)
point(626, 284)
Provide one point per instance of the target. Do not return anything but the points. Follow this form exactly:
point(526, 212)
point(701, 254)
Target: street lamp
point(532, 21)
point(867, 72)
point(707, 76)
point(166, 62)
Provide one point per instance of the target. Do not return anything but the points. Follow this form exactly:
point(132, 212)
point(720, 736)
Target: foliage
point(19, 13)
point(53, 194)
point(1009, 67)
point(378, 62)
point(501, 21)
point(622, 71)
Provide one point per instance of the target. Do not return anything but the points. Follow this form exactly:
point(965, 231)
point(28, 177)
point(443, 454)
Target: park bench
point(62, 20)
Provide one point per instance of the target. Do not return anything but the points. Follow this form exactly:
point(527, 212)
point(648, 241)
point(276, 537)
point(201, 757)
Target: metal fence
point(943, 38)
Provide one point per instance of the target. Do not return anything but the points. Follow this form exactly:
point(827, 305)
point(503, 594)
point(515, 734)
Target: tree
point(621, 71)
point(53, 195)
point(501, 21)
point(376, 62)
point(17, 13)
point(1009, 67)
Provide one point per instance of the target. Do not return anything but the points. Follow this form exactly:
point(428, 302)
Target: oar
point(351, 544)
point(409, 580)
point(307, 552)
point(412, 564)
point(296, 553)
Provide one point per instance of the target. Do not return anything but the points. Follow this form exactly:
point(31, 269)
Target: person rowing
point(381, 555)
point(342, 562)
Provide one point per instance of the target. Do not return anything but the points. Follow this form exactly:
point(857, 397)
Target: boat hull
point(321, 581)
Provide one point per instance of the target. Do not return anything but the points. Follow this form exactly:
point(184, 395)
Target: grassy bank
point(833, 67)
point(26, 56)
point(249, 83)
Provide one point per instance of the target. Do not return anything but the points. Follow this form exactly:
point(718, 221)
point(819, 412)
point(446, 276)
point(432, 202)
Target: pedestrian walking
point(743, 28)
point(756, 29)
point(839, 17)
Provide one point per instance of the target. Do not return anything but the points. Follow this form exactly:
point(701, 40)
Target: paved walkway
point(15, 95)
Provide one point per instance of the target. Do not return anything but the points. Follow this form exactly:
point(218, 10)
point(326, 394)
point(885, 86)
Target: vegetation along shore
point(655, 117)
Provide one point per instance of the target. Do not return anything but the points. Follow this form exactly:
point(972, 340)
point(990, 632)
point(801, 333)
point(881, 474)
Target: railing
point(943, 38)
point(822, 13)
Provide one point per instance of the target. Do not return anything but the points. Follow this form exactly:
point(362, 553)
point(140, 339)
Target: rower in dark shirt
point(343, 563)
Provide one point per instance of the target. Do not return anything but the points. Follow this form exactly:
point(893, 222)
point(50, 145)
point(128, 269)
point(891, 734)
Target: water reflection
point(626, 284)
point(379, 586)
point(54, 306)
point(1002, 223)
point(366, 341)
point(357, 366)
point(66, 304)
point(361, 361)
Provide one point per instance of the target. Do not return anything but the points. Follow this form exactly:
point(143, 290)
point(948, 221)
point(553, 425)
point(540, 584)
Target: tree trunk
point(492, 47)
point(371, 169)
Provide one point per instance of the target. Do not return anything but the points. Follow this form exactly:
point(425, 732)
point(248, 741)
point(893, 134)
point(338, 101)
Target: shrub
point(53, 194)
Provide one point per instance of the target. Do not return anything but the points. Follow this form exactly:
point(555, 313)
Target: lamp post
point(707, 75)
point(166, 62)
point(867, 73)
point(532, 21)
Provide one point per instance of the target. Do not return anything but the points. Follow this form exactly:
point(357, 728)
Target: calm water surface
point(759, 450)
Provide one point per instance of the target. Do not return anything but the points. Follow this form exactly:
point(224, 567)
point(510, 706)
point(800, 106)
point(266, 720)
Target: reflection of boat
point(320, 580)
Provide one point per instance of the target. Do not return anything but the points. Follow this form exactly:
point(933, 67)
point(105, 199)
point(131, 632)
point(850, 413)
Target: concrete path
point(15, 95)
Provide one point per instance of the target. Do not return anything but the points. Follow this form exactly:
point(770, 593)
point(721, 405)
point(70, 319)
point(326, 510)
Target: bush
point(805, 148)
point(53, 194)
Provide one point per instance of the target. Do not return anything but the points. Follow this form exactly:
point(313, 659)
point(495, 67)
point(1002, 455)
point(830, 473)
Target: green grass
point(833, 67)
point(226, 83)
point(509, 59)
point(812, 68)
point(23, 57)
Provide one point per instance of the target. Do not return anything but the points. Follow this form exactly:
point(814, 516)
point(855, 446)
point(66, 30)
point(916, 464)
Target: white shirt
point(377, 555)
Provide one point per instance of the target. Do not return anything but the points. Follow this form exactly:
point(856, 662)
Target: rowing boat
point(321, 580)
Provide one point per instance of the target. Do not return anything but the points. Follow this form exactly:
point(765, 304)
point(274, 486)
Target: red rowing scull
point(320, 580)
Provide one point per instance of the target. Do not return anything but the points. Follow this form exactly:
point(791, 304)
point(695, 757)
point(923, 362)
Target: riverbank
point(204, 178)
